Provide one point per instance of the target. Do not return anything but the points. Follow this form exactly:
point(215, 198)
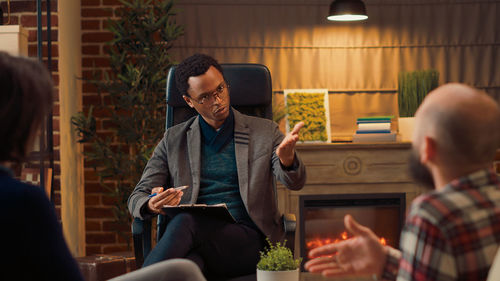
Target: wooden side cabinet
point(14, 40)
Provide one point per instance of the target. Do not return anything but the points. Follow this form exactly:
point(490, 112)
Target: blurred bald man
point(453, 232)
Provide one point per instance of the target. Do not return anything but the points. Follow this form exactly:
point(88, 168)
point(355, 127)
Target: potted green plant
point(133, 95)
point(277, 264)
point(412, 89)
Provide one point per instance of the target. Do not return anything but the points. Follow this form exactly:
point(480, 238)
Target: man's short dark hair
point(194, 65)
point(26, 94)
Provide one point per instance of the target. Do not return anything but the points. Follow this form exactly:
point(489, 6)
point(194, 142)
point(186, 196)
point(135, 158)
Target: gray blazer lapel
point(241, 142)
point(194, 155)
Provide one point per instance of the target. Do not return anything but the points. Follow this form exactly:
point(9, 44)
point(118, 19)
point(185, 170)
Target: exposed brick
point(53, 6)
point(106, 135)
point(92, 99)
point(91, 24)
point(54, 65)
point(95, 62)
point(57, 169)
point(111, 2)
point(91, 50)
point(92, 249)
point(55, 109)
point(90, 175)
point(57, 198)
point(97, 37)
point(98, 212)
point(32, 20)
point(57, 154)
point(88, 88)
point(108, 249)
point(92, 225)
point(56, 184)
point(14, 19)
point(55, 125)
point(55, 139)
point(125, 240)
point(55, 79)
point(96, 12)
point(497, 157)
point(33, 35)
point(112, 226)
point(100, 238)
point(108, 200)
point(93, 187)
point(91, 2)
point(102, 113)
point(33, 50)
point(107, 124)
point(20, 6)
point(92, 199)
point(92, 74)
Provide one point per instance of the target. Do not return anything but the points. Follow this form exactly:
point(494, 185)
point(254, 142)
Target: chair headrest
point(250, 85)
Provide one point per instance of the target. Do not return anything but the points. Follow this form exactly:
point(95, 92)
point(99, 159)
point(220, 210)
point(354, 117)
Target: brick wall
point(24, 13)
point(497, 162)
point(100, 235)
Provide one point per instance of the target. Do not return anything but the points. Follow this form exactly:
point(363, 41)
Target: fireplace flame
point(318, 242)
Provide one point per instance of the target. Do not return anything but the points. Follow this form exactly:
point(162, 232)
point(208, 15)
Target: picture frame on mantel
point(312, 107)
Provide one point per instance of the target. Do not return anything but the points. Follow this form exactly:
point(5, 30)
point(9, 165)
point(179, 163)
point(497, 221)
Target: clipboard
point(218, 210)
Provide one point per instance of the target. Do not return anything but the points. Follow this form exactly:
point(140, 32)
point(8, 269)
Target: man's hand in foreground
point(169, 197)
point(286, 149)
point(361, 255)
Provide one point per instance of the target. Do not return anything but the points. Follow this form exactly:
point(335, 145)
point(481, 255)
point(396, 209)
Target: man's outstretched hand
point(361, 255)
point(286, 149)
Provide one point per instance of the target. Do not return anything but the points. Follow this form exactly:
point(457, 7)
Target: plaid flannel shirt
point(450, 234)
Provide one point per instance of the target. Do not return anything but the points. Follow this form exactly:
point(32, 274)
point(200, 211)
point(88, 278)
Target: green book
point(375, 118)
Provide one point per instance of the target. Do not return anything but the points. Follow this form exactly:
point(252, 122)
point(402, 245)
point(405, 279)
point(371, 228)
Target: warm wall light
point(347, 10)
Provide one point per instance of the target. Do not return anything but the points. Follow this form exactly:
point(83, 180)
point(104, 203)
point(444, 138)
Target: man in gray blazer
point(224, 157)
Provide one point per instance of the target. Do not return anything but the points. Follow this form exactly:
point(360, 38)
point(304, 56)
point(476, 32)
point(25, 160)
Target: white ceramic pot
point(288, 275)
point(405, 126)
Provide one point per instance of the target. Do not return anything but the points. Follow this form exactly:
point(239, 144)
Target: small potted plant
point(277, 264)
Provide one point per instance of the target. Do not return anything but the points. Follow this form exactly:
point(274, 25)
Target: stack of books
point(374, 129)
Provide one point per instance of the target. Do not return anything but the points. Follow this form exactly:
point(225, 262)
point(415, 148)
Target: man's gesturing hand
point(170, 197)
point(286, 149)
point(361, 255)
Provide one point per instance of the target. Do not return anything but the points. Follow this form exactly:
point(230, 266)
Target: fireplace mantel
point(351, 169)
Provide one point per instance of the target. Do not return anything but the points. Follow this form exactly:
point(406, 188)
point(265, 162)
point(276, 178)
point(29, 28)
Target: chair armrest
point(289, 222)
point(141, 233)
point(289, 225)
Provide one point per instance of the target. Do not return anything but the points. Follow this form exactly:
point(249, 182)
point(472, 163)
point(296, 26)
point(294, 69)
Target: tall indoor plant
point(412, 89)
point(133, 93)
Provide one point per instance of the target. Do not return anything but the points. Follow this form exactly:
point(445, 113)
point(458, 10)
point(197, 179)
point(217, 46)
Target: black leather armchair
point(251, 93)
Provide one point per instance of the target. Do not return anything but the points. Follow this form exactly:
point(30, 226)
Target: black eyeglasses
point(209, 98)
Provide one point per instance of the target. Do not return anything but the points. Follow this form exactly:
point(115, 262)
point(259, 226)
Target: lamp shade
point(347, 10)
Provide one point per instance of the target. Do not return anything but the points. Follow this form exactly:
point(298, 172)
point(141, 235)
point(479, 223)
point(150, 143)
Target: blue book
point(374, 132)
point(372, 121)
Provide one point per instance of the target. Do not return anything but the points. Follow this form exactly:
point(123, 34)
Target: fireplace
point(322, 217)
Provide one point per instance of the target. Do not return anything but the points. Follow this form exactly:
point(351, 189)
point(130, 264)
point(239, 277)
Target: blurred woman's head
point(26, 94)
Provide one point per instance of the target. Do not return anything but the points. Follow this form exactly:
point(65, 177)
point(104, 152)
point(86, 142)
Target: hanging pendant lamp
point(347, 10)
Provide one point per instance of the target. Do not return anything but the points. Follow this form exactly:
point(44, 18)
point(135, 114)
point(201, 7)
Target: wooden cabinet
point(14, 40)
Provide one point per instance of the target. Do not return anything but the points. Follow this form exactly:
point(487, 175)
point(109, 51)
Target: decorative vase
point(405, 126)
point(287, 275)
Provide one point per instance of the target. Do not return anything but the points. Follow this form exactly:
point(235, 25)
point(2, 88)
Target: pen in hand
point(176, 188)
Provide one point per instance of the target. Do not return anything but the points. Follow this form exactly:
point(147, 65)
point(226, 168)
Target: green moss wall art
point(310, 106)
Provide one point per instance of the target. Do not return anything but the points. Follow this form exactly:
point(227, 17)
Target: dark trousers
point(218, 247)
